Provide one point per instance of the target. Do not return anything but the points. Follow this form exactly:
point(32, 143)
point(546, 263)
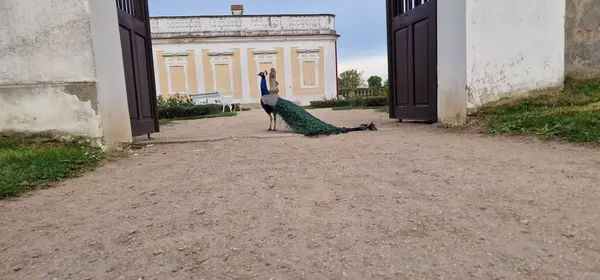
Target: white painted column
point(452, 61)
point(200, 70)
point(329, 68)
point(287, 65)
point(156, 73)
point(111, 86)
point(245, 77)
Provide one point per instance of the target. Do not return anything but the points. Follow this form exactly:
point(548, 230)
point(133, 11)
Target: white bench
point(215, 98)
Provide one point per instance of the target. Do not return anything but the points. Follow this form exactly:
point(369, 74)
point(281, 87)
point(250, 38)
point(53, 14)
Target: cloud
point(375, 65)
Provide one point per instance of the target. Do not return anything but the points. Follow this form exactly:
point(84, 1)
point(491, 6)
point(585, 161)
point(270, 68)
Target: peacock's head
point(262, 74)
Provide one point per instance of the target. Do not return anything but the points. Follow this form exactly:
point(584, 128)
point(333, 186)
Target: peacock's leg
point(274, 121)
point(270, 122)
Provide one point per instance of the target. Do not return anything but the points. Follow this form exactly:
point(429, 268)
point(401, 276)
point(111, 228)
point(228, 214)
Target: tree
point(374, 82)
point(351, 80)
point(386, 87)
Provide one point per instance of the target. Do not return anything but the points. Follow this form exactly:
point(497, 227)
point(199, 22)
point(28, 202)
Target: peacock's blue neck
point(264, 90)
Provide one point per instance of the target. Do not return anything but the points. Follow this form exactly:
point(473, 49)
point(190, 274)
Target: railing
point(403, 6)
point(362, 92)
point(164, 27)
point(134, 8)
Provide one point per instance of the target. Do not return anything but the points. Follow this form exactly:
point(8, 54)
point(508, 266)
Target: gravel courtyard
point(237, 202)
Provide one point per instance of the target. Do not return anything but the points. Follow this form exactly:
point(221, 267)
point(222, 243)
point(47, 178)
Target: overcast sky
point(361, 24)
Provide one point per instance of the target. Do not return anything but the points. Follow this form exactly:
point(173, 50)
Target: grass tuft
point(28, 163)
point(571, 114)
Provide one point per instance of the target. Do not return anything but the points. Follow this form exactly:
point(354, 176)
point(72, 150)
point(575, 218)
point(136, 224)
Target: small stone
point(17, 268)
point(524, 222)
point(158, 252)
point(569, 235)
point(133, 231)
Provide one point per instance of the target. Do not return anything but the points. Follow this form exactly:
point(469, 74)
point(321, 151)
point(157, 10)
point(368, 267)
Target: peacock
point(298, 119)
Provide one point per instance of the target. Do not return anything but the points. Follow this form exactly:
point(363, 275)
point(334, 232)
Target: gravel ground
point(405, 202)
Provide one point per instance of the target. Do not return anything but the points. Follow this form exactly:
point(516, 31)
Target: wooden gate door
point(412, 59)
point(134, 26)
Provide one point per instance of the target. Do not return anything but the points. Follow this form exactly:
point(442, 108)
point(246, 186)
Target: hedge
point(188, 111)
point(371, 101)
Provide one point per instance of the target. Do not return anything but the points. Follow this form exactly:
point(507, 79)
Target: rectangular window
point(262, 66)
point(309, 74)
point(223, 77)
point(177, 74)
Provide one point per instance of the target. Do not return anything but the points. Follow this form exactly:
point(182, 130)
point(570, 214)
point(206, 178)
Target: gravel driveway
point(404, 202)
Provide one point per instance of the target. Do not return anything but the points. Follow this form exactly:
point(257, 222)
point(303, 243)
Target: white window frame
point(222, 58)
point(177, 60)
point(309, 55)
point(264, 56)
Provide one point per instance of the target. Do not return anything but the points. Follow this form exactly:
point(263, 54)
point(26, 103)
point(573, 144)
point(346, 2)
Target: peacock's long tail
point(302, 122)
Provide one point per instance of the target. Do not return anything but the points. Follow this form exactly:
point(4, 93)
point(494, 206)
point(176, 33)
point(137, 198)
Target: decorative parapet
point(242, 26)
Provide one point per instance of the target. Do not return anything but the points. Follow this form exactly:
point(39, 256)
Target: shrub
point(372, 101)
point(175, 100)
point(188, 111)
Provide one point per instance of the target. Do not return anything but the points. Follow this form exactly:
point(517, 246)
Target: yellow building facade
point(224, 54)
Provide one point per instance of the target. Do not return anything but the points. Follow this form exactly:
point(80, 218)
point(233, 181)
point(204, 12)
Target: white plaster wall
point(513, 46)
point(222, 44)
point(43, 108)
point(45, 42)
point(452, 61)
point(61, 69)
point(44, 45)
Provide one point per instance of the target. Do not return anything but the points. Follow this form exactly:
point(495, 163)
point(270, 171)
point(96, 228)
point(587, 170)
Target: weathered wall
point(61, 69)
point(582, 31)
point(45, 60)
point(513, 47)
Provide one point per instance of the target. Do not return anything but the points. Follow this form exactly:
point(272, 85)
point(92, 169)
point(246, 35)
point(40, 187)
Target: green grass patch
point(383, 109)
point(164, 122)
point(29, 163)
point(341, 108)
point(571, 114)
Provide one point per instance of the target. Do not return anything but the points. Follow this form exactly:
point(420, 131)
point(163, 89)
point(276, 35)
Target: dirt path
point(406, 202)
